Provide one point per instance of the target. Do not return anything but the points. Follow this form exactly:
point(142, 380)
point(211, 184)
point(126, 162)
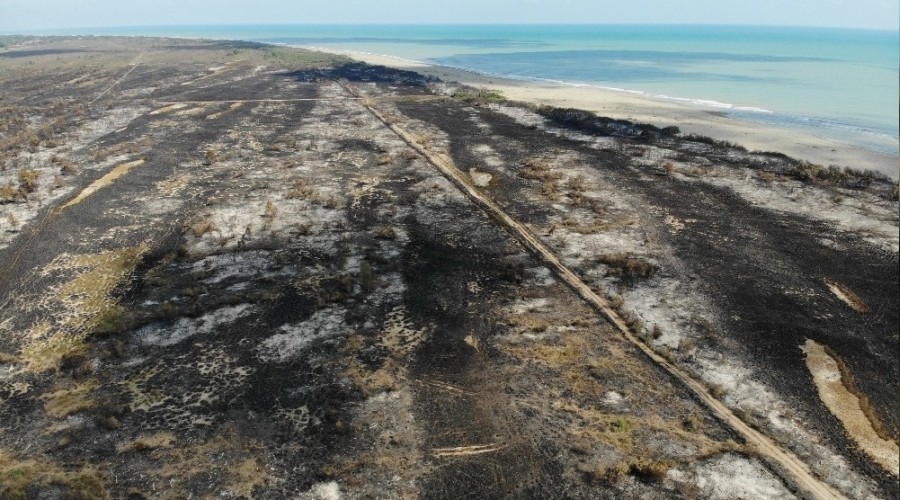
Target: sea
point(836, 83)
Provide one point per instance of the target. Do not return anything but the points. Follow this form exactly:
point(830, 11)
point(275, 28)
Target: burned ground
point(231, 279)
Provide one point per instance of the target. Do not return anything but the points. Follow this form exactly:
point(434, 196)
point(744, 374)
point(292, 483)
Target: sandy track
point(134, 64)
point(783, 462)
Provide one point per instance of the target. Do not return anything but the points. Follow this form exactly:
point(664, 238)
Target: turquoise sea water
point(833, 82)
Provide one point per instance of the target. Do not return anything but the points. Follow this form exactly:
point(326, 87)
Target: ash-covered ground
point(224, 273)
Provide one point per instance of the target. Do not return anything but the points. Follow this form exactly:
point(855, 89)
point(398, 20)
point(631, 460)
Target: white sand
point(642, 109)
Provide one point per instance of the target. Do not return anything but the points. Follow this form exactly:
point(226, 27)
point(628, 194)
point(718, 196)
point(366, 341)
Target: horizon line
point(30, 31)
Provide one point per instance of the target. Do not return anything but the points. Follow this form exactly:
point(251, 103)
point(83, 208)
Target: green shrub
point(478, 96)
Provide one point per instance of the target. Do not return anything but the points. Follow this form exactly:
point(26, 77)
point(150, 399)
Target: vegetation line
point(223, 101)
point(783, 462)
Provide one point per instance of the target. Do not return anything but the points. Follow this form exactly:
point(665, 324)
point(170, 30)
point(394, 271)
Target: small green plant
point(620, 425)
point(478, 96)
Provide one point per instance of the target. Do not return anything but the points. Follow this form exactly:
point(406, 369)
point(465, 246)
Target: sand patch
point(845, 405)
point(233, 107)
point(169, 108)
point(480, 179)
point(847, 296)
point(104, 181)
point(85, 303)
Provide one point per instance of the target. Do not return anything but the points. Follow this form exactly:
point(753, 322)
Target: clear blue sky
point(54, 14)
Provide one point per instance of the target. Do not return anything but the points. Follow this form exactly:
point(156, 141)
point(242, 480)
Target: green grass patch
point(478, 96)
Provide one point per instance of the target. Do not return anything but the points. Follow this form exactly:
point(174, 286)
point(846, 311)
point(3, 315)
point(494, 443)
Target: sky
point(36, 15)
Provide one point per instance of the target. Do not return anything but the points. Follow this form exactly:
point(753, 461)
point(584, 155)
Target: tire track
point(134, 64)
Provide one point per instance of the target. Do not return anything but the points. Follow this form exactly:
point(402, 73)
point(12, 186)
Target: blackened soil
point(764, 270)
point(316, 307)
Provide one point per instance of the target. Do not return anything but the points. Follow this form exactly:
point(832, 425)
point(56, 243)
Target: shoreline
point(642, 108)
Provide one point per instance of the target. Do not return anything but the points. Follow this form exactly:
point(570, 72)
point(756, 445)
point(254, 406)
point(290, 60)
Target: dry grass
point(8, 193)
point(529, 323)
point(409, 154)
point(18, 478)
point(580, 226)
point(386, 233)
point(371, 382)
point(87, 300)
point(147, 443)
point(73, 399)
point(848, 380)
point(539, 169)
point(765, 177)
point(578, 184)
point(112, 321)
point(226, 459)
point(123, 148)
point(270, 211)
point(718, 391)
point(300, 190)
point(199, 228)
point(28, 180)
point(66, 167)
point(645, 469)
point(627, 267)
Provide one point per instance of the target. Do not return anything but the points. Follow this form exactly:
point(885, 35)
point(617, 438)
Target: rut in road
point(785, 464)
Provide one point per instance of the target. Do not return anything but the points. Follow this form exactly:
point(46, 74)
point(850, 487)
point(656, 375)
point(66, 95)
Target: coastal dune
point(663, 113)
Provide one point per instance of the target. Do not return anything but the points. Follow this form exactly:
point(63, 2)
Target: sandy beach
point(625, 105)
